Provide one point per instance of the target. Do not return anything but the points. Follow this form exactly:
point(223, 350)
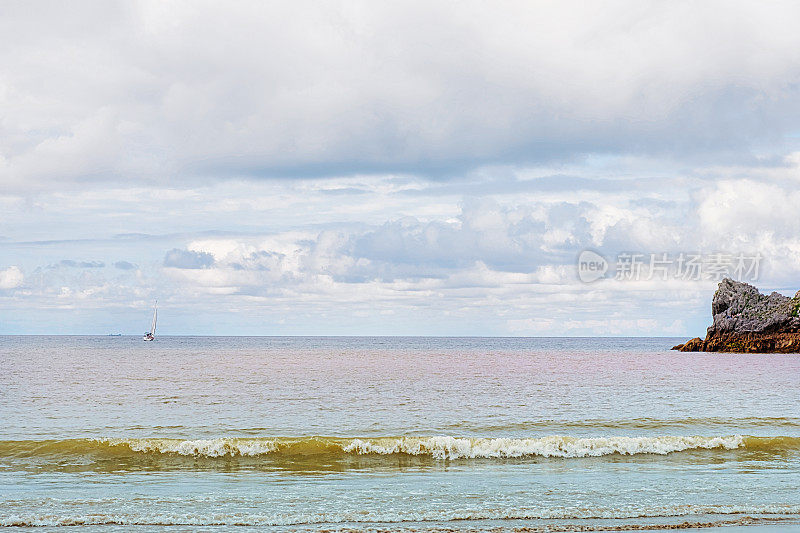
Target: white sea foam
point(553, 446)
point(708, 512)
point(438, 447)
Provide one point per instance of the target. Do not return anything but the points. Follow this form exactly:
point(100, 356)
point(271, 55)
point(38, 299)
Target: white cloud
point(11, 278)
point(749, 208)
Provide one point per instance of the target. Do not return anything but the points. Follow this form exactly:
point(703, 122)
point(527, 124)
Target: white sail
point(151, 335)
point(155, 318)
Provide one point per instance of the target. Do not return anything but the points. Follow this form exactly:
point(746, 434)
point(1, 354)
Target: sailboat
point(151, 335)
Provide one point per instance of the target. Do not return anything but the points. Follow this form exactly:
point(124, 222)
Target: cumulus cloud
point(11, 278)
point(124, 265)
point(188, 259)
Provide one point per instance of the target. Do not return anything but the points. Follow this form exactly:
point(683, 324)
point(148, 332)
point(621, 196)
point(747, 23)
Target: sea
point(395, 434)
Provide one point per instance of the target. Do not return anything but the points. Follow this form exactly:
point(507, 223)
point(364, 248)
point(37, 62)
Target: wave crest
point(436, 447)
point(553, 446)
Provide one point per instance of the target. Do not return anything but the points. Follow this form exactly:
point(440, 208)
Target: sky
point(403, 168)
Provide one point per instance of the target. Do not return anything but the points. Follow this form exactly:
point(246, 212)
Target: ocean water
point(385, 434)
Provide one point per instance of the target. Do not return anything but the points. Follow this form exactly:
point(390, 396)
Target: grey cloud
point(344, 191)
point(124, 265)
point(472, 86)
point(486, 186)
point(262, 260)
point(188, 259)
point(409, 241)
point(512, 239)
point(69, 263)
point(508, 239)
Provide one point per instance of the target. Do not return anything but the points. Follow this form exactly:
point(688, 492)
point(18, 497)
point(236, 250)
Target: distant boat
point(151, 335)
point(115, 334)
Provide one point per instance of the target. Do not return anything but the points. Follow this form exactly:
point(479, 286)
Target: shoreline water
point(708, 523)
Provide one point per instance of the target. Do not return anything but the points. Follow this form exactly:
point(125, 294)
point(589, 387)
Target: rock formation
point(746, 321)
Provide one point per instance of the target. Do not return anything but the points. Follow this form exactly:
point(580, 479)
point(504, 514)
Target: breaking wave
point(435, 447)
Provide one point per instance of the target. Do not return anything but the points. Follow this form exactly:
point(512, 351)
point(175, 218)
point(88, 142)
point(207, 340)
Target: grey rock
point(739, 308)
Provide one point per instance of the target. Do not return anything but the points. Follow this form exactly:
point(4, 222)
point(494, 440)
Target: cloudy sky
point(398, 168)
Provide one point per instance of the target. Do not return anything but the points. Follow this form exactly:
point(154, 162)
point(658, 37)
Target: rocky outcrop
point(692, 345)
point(746, 321)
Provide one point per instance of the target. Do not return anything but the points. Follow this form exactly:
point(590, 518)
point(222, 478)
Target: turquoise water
point(394, 433)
